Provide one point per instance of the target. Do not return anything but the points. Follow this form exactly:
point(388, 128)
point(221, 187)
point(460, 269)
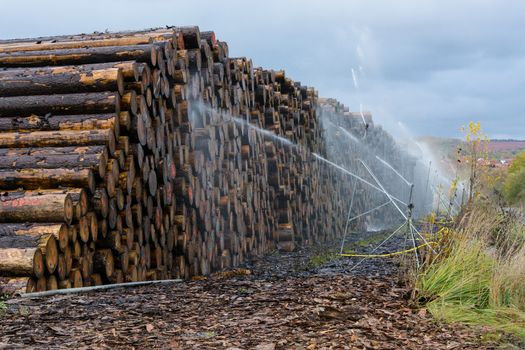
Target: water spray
point(395, 171)
point(357, 177)
point(408, 217)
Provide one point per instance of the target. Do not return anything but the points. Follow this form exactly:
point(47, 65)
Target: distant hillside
point(443, 146)
point(513, 146)
point(499, 149)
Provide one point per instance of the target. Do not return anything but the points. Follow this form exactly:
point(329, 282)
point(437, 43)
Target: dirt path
point(290, 301)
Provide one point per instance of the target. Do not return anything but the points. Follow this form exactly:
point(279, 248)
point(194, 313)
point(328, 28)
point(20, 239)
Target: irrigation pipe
point(386, 255)
point(394, 170)
point(380, 245)
point(411, 226)
point(368, 211)
point(383, 189)
point(349, 213)
point(355, 176)
point(97, 288)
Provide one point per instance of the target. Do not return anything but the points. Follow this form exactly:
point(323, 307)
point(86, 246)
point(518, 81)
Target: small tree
point(514, 188)
point(476, 147)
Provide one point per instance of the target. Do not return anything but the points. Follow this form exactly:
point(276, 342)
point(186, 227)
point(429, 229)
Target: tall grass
point(478, 276)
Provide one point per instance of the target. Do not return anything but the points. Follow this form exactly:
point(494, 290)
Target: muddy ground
point(309, 299)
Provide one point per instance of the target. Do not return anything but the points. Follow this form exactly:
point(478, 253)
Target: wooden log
point(20, 262)
point(96, 279)
point(103, 261)
point(11, 241)
point(131, 70)
point(51, 283)
point(59, 138)
point(131, 274)
point(62, 122)
point(83, 40)
point(46, 178)
point(78, 103)
point(101, 202)
point(64, 284)
point(191, 36)
point(59, 230)
point(25, 83)
point(80, 200)
point(117, 277)
point(61, 270)
point(75, 277)
point(36, 206)
point(84, 55)
point(19, 159)
point(93, 225)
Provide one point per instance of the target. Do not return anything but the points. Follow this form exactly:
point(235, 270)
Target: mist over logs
point(140, 155)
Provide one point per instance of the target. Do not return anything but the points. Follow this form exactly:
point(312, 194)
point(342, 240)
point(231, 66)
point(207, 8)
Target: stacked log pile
point(152, 155)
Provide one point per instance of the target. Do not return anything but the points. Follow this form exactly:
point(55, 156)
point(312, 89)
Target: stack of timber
point(151, 155)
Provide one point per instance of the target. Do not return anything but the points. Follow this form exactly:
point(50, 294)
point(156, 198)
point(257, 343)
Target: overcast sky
point(430, 65)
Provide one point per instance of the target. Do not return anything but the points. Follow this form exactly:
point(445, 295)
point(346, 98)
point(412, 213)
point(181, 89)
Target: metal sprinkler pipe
point(397, 207)
point(355, 176)
point(348, 216)
point(395, 171)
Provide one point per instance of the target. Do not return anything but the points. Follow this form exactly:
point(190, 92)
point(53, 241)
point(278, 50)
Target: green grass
point(478, 278)
point(372, 239)
point(321, 259)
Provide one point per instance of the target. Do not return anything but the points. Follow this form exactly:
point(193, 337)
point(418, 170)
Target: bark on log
point(79, 103)
point(55, 43)
point(103, 262)
point(62, 122)
point(19, 160)
point(59, 139)
point(84, 55)
point(36, 206)
point(59, 230)
point(46, 178)
point(22, 262)
point(28, 240)
point(25, 83)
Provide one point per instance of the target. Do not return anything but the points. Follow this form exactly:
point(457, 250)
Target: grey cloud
point(433, 65)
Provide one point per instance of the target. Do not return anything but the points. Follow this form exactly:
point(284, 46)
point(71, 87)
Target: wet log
point(79, 103)
point(103, 262)
point(62, 122)
point(21, 262)
point(41, 160)
point(36, 206)
point(75, 278)
point(83, 55)
point(59, 230)
point(46, 178)
point(71, 42)
point(25, 83)
point(27, 241)
point(59, 139)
